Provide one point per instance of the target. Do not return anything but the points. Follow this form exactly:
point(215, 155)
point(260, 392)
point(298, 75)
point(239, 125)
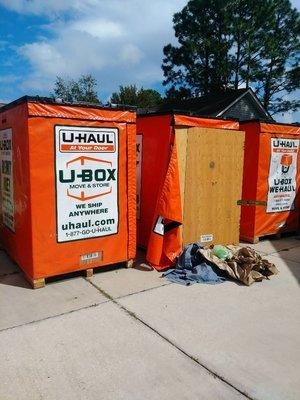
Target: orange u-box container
point(68, 186)
point(189, 182)
point(270, 197)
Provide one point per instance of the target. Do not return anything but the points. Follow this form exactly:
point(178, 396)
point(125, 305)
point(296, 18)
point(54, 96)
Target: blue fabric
point(191, 267)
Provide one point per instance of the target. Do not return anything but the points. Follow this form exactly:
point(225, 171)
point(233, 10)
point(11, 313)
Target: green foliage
point(232, 44)
point(279, 68)
point(200, 63)
point(131, 95)
point(83, 90)
point(247, 35)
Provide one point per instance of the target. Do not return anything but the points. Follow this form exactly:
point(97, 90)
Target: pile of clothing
point(192, 267)
point(201, 264)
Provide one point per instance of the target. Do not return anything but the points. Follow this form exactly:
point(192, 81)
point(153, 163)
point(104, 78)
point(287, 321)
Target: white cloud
point(40, 7)
point(290, 116)
point(44, 57)
point(48, 7)
point(98, 28)
point(130, 54)
point(296, 3)
point(118, 41)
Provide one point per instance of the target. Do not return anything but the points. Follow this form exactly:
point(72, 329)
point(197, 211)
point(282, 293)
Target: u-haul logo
point(285, 143)
point(284, 146)
point(78, 141)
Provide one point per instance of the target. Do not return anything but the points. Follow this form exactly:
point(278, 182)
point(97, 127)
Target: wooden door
point(211, 167)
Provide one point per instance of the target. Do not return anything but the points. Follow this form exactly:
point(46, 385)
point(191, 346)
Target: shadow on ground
point(285, 246)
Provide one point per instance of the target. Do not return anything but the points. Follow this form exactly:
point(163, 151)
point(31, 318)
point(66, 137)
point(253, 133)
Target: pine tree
point(279, 67)
point(200, 64)
point(232, 44)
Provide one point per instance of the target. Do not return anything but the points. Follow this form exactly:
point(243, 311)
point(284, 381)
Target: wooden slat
point(89, 272)
point(181, 143)
point(129, 264)
point(213, 184)
point(37, 283)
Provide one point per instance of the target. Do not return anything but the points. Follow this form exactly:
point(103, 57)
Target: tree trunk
point(237, 64)
point(206, 72)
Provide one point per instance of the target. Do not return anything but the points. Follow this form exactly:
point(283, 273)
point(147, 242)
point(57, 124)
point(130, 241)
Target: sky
point(119, 42)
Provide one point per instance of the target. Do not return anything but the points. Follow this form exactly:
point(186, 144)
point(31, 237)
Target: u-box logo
point(84, 172)
point(87, 173)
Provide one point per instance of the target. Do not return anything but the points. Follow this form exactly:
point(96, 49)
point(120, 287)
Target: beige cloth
point(244, 264)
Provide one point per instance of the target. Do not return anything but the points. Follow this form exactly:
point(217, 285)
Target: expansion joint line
point(133, 315)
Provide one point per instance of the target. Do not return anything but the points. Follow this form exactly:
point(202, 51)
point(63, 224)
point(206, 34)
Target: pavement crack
point(9, 273)
point(53, 316)
point(215, 374)
point(108, 296)
point(142, 291)
point(103, 292)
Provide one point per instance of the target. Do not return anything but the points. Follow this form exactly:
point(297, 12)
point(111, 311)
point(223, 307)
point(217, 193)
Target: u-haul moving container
point(68, 186)
point(210, 162)
point(270, 199)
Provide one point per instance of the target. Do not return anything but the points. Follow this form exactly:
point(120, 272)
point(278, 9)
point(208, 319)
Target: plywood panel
point(181, 143)
point(213, 184)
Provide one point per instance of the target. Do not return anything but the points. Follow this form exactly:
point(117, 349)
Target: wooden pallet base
point(256, 239)
point(41, 282)
point(89, 272)
point(36, 283)
point(253, 240)
point(129, 263)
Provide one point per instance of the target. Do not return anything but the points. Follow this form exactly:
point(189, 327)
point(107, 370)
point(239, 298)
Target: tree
point(232, 44)
point(131, 95)
point(200, 63)
point(247, 31)
point(279, 70)
point(83, 90)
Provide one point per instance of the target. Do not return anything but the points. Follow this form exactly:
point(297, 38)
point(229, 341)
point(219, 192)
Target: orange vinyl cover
point(40, 198)
point(272, 222)
point(131, 189)
point(279, 128)
point(17, 239)
point(256, 221)
point(84, 113)
point(155, 135)
point(165, 242)
point(185, 120)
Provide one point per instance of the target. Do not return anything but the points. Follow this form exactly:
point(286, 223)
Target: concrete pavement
point(129, 334)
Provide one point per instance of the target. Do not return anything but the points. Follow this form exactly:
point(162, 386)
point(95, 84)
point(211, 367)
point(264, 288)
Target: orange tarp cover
point(77, 112)
point(205, 122)
point(278, 128)
point(34, 244)
point(165, 240)
point(255, 220)
point(160, 204)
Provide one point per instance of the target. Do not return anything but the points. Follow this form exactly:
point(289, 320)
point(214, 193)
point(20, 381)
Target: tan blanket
point(244, 264)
